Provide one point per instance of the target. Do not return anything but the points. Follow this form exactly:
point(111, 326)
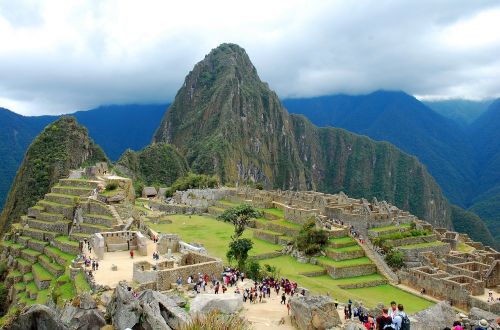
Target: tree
point(395, 259)
point(310, 239)
point(238, 250)
point(239, 216)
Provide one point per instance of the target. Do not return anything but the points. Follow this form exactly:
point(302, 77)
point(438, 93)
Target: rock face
point(226, 304)
point(438, 316)
point(226, 121)
point(62, 146)
point(38, 317)
point(314, 312)
point(151, 310)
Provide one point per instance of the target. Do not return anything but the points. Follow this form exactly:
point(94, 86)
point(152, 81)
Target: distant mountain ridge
point(464, 159)
point(115, 128)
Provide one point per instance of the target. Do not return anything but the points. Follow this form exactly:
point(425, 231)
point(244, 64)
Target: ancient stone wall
point(165, 278)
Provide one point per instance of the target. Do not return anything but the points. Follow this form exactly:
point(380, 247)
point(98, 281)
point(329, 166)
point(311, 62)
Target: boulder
point(106, 298)
point(226, 304)
point(314, 312)
point(152, 309)
point(38, 317)
point(82, 319)
point(350, 325)
point(477, 314)
point(438, 316)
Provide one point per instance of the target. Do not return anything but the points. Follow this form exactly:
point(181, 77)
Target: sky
point(63, 56)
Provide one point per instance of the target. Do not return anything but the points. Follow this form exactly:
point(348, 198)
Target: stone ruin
point(118, 241)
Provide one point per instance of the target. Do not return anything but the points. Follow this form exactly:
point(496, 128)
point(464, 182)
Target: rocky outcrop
point(38, 317)
point(226, 304)
point(314, 312)
point(150, 310)
point(438, 316)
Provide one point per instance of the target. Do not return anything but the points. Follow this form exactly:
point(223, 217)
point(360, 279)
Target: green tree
point(395, 259)
point(239, 216)
point(238, 250)
point(310, 239)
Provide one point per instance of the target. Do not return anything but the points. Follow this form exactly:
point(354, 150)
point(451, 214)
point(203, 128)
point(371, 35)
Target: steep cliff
point(226, 121)
point(62, 145)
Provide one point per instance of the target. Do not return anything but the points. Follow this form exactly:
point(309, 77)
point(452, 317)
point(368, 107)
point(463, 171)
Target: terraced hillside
point(43, 244)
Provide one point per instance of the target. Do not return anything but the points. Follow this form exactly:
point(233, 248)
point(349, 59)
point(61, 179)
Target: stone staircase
point(40, 248)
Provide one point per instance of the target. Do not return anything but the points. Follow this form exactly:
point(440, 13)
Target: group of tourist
point(393, 318)
point(482, 325)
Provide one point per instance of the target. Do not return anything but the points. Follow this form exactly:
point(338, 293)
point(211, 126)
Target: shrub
point(311, 240)
point(192, 181)
point(111, 186)
point(395, 259)
point(253, 270)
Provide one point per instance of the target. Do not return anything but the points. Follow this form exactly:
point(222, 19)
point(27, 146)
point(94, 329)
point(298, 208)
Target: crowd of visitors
point(393, 318)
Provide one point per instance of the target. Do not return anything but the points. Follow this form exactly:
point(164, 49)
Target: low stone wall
point(50, 217)
point(341, 245)
point(95, 207)
point(59, 259)
point(412, 254)
point(411, 240)
point(344, 255)
point(351, 271)
point(267, 255)
point(66, 247)
point(148, 275)
point(314, 274)
point(215, 211)
point(41, 284)
point(26, 256)
point(37, 245)
point(113, 247)
point(338, 233)
point(266, 236)
point(96, 220)
point(60, 226)
point(23, 268)
point(363, 285)
point(165, 278)
point(298, 216)
point(65, 210)
point(282, 229)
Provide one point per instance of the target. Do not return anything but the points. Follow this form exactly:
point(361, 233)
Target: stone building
point(118, 241)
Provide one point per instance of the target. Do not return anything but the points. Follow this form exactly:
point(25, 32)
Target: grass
point(386, 228)
point(98, 216)
point(288, 265)
point(49, 261)
point(31, 287)
point(342, 240)
point(31, 252)
point(74, 188)
point(285, 223)
point(421, 245)
point(64, 293)
point(42, 296)
point(346, 248)
point(11, 244)
point(66, 240)
point(23, 262)
point(386, 293)
point(462, 247)
point(28, 277)
point(213, 234)
point(69, 257)
point(274, 211)
point(41, 272)
point(46, 202)
point(19, 286)
point(345, 263)
point(81, 284)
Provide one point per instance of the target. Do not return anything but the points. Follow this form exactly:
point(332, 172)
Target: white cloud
point(62, 56)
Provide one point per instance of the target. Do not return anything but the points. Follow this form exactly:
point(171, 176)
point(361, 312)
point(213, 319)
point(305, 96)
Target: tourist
point(483, 325)
point(384, 321)
point(288, 306)
point(346, 313)
point(283, 298)
point(422, 292)
point(370, 323)
point(336, 303)
point(131, 254)
point(96, 265)
point(179, 280)
point(401, 321)
point(217, 288)
point(260, 297)
point(349, 308)
point(457, 326)
point(189, 279)
point(394, 310)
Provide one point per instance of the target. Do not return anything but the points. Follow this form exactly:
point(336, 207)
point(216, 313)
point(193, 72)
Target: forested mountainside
point(226, 121)
point(62, 145)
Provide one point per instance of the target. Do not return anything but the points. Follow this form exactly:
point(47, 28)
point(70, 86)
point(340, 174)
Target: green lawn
point(342, 240)
point(345, 263)
point(213, 234)
point(288, 265)
point(274, 211)
point(421, 245)
point(377, 229)
point(285, 223)
point(346, 248)
point(386, 293)
point(462, 247)
point(66, 240)
point(41, 272)
point(81, 284)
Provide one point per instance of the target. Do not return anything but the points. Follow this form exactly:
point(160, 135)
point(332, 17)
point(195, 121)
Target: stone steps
point(341, 242)
point(30, 255)
point(98, 219)
point(282, 228)
point(58, 256)
point(58, 226)
point(23, 265)
point(79, 183)
point(35, 210)
point(65, 245)
point(41, 276)
point(87, 228)
point(50, 217)
point(61, 198)
point(39, 234)
point(71, 190)
point(346, 253)
point(50, 265)
point(52, 207)
point(37, 245)
point(347, 268)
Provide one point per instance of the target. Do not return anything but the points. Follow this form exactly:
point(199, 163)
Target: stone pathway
point(381, 265)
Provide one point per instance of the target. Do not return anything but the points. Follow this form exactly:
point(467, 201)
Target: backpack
point(405, 322)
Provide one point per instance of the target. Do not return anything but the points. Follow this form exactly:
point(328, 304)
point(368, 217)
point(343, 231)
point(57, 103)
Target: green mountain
point(463, 112)
point(226, 121)
point(62, 145)
point(157, 164)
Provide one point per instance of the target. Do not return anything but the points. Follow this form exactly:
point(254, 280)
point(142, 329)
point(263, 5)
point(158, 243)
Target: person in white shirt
point(393, 311)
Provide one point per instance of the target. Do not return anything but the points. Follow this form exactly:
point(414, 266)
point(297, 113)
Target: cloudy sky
point(63, 56)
